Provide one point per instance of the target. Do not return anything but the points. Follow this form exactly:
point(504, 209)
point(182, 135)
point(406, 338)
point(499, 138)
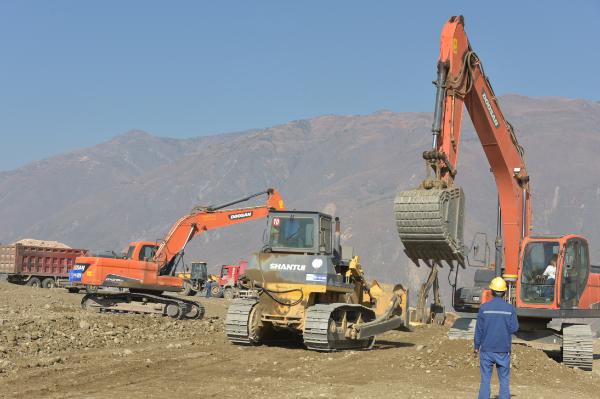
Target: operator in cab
point(550, 272)
point(548, 277)
point(496, 322)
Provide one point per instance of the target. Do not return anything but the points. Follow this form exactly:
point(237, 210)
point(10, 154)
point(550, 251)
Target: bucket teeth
point(430, 224)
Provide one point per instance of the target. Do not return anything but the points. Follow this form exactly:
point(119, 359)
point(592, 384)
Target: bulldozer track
point(142, 303)
point(236, 322)
point(317, 333)
point(577, 347)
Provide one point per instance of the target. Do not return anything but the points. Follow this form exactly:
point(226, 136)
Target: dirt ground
point(50, 348)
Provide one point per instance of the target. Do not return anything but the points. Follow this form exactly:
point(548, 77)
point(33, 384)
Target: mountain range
point(136, 185)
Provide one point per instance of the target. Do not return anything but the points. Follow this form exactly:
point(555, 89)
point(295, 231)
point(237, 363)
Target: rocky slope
point(136, 185)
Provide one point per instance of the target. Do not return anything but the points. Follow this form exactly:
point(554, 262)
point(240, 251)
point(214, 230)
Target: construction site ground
point(51, 348)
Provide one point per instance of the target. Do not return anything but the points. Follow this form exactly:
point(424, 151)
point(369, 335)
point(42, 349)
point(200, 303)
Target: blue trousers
point(486, 366)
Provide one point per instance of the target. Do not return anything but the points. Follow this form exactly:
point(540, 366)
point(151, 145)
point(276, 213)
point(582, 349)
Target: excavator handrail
point(217, 207)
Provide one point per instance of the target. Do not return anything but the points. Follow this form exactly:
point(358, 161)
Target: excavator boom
point(466, 84)
point(462, 82)
point(202, 219)
point(149, 269)
point(430, 218)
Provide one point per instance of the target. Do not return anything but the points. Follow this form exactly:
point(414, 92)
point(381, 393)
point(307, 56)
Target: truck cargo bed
point(27, 260)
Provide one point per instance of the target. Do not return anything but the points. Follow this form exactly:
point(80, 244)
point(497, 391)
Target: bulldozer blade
point(377, 327)
point(430, 224)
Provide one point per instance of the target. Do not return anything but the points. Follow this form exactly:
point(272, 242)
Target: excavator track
point(176, 308)
point(322, 332)
point(237, 322)
point(430, 223)
point(578, 346)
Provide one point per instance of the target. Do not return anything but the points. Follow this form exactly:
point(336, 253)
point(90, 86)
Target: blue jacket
point(496, 322)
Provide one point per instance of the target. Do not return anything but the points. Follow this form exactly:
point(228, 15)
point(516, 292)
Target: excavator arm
point(202, 219)
point(147, 277)
point(430, 218)
point(462, 82)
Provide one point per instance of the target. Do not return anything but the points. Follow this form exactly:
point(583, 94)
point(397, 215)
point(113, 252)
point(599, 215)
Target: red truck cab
point(230, 274)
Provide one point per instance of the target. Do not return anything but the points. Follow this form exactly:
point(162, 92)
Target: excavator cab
point(538, 280)
point(554, 272)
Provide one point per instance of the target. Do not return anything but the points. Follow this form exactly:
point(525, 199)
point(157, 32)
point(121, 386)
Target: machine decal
point(317, 278)
point(287, 266)
point(276, 221)
point(76, 272)
point(242, 215)
point(317, 263)
point(488, 105)
point(113, 279)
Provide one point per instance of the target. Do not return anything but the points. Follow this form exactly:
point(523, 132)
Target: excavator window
point(130, 252)
point(537, 281)
point(147, 252)
point(575, 272)
point(584, 263)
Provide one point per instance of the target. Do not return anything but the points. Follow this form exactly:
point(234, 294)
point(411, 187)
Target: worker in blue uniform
point(496, 322)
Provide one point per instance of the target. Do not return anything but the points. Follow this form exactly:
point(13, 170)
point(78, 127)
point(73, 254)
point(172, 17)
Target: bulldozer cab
point(301, 247)
point(299, 232)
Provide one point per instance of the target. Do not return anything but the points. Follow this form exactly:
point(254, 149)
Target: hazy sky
point(76, 73)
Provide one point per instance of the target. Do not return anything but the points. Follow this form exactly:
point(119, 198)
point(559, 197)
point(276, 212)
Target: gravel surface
point(51, 348)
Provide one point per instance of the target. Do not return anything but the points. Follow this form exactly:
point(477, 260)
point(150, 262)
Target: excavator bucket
point(430, 224)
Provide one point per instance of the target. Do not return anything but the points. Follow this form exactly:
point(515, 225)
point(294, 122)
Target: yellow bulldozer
point(305, 282)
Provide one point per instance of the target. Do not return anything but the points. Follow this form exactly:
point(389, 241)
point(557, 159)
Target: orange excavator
point(549, 276)
point(149, 268)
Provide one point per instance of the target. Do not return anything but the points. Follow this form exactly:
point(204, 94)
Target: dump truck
point(228, 284)
point(39, 266)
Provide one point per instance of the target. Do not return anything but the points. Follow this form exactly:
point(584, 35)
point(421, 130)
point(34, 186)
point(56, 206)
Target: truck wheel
point(34, 282)
point(91, 289)
point(215, 291)
point(48, 283)
point(188, 289)
point(228, 293)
